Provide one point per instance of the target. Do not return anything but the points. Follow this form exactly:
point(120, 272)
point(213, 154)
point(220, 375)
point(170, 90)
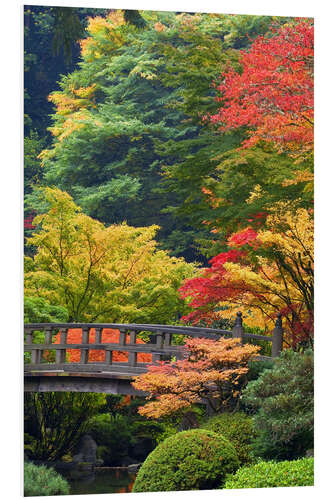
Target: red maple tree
point(273, 94)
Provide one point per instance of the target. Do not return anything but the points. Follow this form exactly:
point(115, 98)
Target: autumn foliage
point(211, 373)
point(261, 274)
point(273, 94)
point(109, 336)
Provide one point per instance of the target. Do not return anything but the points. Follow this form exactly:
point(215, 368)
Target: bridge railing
point(159, 347)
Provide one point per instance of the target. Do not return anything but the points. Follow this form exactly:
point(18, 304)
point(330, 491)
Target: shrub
point(257, 367)
point(283, 401)
point(238, 429)
point(43, 481)
point(191, 460)
point(273, 475)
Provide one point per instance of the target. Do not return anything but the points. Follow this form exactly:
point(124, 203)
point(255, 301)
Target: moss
point(238, 429)
point(191, 460)
point(273, 475)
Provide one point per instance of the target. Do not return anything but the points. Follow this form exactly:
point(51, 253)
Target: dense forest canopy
point(198, 125)
point(168, 180)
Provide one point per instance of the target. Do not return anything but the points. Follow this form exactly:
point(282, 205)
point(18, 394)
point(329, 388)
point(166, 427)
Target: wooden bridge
point(54, 372)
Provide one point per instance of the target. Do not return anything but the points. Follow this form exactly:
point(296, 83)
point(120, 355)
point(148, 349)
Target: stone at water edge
point(86, 450)
point(133, 468)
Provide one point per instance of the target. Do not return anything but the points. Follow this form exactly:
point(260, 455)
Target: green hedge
point(191, 460)
point(273, 475)
point(238, 429)
point(43, 481)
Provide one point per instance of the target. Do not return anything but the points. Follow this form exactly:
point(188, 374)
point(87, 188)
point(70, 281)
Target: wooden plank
point(257, 337)
point(181, 330)
point(70, 346)
point(89, 368)
point(145, 348)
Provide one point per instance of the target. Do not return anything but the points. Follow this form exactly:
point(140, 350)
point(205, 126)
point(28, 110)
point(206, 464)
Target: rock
point(86, 450)
point(309, 453)
point(133, 468)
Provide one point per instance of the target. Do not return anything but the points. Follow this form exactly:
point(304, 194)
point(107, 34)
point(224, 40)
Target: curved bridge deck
point(111, 376)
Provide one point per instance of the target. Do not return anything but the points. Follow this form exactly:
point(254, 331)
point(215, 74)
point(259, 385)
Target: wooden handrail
point(127, 343)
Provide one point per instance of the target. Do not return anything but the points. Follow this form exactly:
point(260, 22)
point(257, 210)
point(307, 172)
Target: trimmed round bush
point(197, 459)
point(43, 481)
point(273, 475)
point(238, 429)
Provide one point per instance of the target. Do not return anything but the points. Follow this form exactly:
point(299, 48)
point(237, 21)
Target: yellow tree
point(112, 274)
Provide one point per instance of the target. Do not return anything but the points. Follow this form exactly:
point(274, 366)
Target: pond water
point(108, 481)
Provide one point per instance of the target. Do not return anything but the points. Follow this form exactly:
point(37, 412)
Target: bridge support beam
point(74, 383)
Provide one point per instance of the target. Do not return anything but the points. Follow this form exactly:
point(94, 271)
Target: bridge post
point(132, 356)
point(98, 335)
point(85, 340)
point(36, 354)
point(238, 330)
point(122, 337)
point(277, 338)
point(48, 336)
point(167, 339)
point(29, 339)
point(159, 343)
point(61, 353)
